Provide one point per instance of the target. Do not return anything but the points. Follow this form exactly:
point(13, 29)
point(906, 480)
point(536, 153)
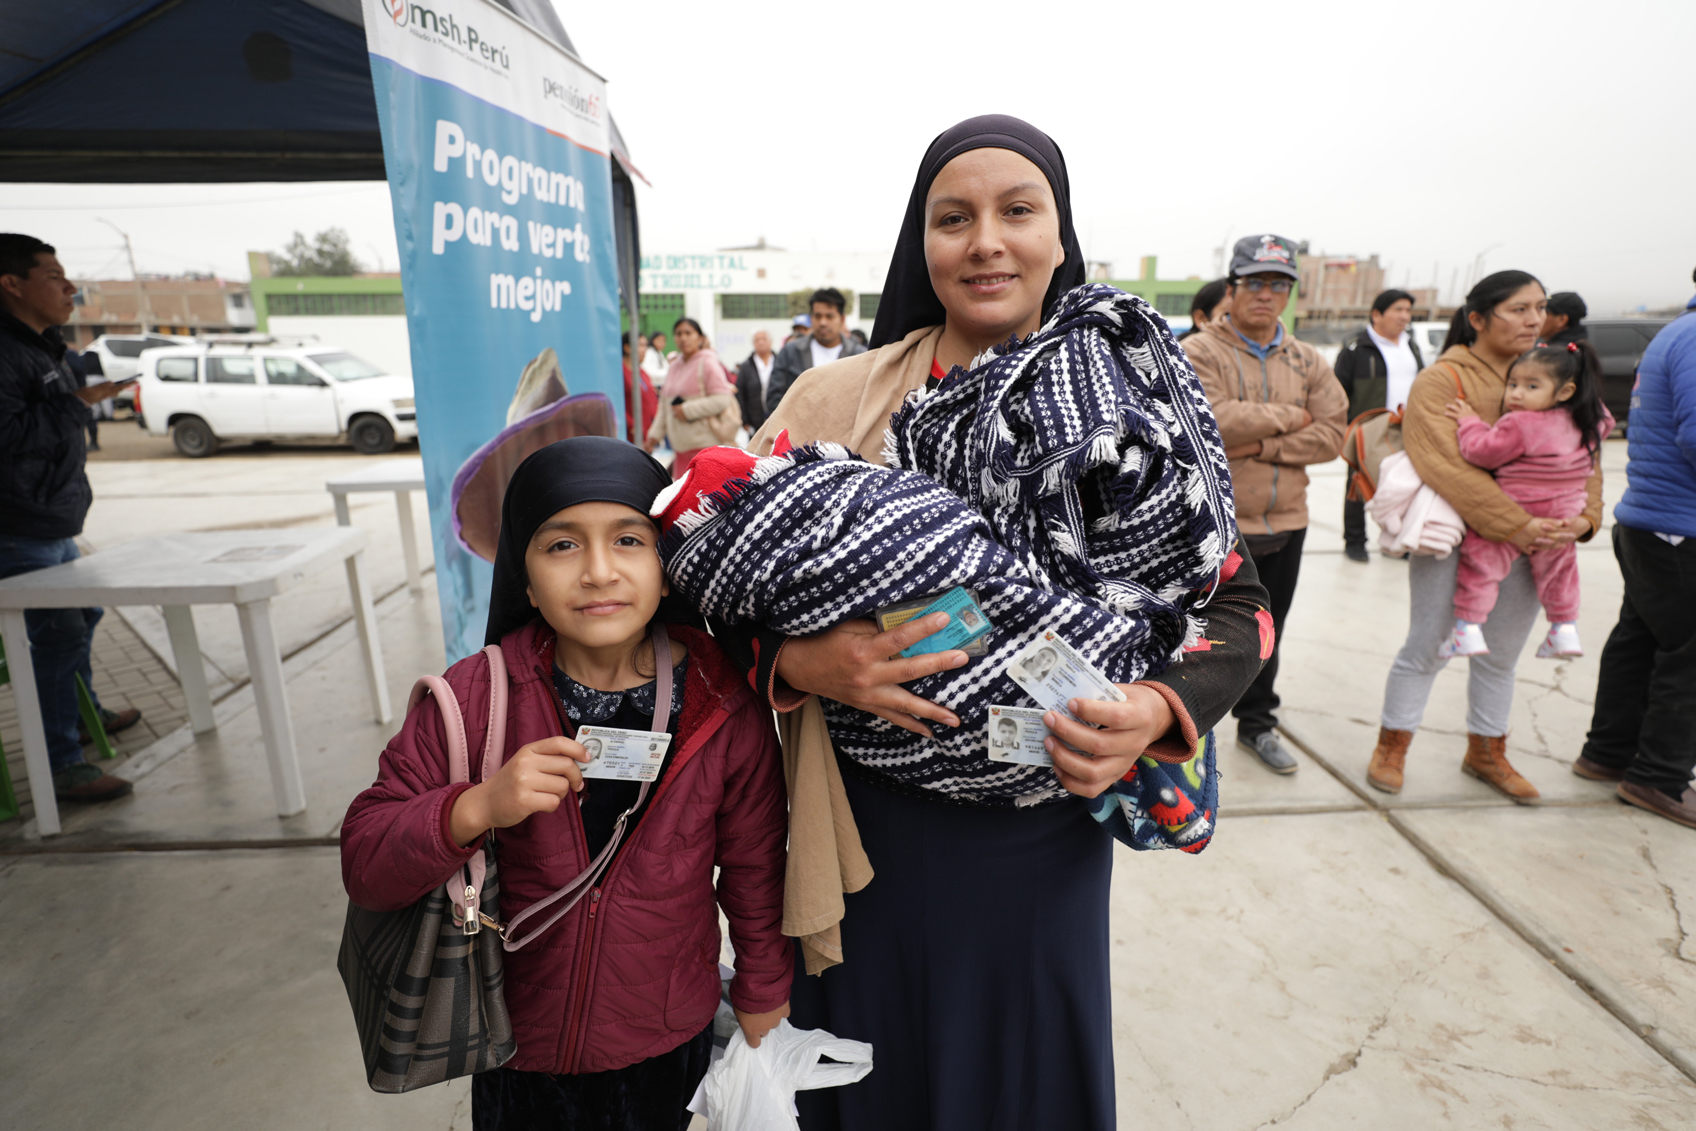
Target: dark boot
point(1681, 810)
point(1597, 771)
point(1354, 531)
point(1487, 760)
point(83, 782)
point(113, 721)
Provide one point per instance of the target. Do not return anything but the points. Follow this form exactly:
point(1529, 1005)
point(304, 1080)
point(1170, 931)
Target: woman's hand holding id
point(1098, 758)
point(534, 780)
point(856, 664)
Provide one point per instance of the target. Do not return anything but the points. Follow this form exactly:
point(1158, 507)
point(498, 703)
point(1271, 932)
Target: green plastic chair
point(90, 720)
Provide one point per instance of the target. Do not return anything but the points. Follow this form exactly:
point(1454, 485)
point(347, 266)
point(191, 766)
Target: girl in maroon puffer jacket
point(611, 1006)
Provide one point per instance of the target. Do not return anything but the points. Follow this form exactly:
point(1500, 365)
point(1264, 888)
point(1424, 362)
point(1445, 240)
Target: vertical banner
point(497, 148)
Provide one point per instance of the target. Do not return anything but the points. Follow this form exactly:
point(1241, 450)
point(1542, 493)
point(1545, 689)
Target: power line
point(188, 204)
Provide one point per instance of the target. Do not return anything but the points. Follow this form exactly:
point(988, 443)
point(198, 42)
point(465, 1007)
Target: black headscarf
point(909, 301)
point(583, 469)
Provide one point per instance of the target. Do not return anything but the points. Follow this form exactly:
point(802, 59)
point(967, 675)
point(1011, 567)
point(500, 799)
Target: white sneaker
point(1467, 639)
point(1561, 643)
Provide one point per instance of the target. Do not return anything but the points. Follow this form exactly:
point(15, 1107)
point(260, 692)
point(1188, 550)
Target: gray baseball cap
point(1255, 254)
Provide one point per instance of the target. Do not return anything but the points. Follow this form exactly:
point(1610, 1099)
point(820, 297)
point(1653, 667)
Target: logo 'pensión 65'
point(584, 105)
point(442, 24)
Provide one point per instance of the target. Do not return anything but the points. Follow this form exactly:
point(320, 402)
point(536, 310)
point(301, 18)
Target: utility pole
point(143, 311)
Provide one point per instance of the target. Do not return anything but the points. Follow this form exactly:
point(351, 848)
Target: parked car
point(204, 395)
point(120, 354)
point(1428, 336)
point(120, 357)
point(1621, 342)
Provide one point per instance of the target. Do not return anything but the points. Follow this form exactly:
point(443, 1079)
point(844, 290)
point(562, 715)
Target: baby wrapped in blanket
point(1075, 480)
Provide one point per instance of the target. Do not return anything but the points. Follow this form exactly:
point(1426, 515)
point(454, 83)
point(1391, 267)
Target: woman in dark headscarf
point(976, 960)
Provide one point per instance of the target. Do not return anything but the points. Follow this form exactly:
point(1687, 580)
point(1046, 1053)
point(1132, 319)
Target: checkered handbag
point(425, 982)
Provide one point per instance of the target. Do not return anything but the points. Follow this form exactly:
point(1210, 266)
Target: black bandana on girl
point(909, 301)
point(583, 469)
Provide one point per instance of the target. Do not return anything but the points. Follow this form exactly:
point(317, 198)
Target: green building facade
point(1171, 297)
point(325, 295)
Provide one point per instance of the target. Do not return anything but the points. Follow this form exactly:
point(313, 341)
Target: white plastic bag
point(752, 1089)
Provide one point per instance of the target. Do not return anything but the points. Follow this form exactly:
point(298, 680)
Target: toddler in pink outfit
point(1542, 450)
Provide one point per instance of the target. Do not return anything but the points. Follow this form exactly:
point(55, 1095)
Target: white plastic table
point(244, 568)
point(402, 476)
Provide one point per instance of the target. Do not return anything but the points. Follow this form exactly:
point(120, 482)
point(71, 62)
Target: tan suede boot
point(1486, 760)
point(1385, 770)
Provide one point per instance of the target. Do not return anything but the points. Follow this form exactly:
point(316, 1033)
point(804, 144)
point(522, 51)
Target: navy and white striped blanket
point(1075, 479)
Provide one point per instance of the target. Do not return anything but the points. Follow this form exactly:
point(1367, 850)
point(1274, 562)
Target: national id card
point(1052, 672)
point(623, 755)
point(1016, 734)
point(967, 626)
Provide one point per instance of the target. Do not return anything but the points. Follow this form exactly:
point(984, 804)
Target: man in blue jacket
point(1643, 734)
point(44, 495)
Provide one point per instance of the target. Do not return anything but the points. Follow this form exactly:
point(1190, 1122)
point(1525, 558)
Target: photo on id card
point(622, 755)
point(1052, 672)
point(1016, 734)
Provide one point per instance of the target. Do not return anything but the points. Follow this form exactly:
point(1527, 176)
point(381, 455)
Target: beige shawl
point(849, 402)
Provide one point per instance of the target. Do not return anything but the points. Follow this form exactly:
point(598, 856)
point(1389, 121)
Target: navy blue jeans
point(58, 646)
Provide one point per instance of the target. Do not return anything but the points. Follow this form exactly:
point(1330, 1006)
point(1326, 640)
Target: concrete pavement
point(1335, 958)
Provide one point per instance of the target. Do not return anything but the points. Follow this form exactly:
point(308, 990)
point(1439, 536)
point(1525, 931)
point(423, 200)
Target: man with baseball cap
point(1279, 408)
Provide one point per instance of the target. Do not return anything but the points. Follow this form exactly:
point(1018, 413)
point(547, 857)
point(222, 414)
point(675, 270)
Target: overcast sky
point(1554, 137)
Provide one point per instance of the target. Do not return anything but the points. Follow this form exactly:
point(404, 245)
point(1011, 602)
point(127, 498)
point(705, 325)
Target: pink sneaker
point(1561, 643)
point(1467, 639)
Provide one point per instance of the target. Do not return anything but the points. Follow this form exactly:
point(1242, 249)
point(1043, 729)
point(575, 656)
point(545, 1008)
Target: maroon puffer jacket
point(632, 971)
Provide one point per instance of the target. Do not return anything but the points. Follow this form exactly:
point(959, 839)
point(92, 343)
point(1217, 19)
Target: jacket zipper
point(586, 939)
point(577, 1022)
point(1266, 393)
point(579, 1004)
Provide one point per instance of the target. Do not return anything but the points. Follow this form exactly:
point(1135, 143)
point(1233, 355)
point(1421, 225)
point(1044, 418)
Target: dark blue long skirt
point(977, 968)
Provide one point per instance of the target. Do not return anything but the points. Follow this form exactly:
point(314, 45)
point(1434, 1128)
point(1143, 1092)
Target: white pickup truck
point(202, 395)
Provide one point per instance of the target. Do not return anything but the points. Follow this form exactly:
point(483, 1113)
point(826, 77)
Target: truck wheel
point(193, 437)
point(371, 435)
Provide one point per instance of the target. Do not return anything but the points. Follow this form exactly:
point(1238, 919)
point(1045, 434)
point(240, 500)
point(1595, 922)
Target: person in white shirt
point(654, 361)
point(827, 342)
point(753, 378)
point(1376, 368)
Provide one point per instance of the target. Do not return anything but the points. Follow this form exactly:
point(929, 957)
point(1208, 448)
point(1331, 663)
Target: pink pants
point(1483, 564)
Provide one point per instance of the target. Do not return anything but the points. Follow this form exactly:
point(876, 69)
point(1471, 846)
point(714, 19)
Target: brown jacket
point(1264, 401)
point(1430, 440)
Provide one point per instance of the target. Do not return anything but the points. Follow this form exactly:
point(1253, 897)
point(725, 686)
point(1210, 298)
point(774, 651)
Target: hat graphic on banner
point(542, 411)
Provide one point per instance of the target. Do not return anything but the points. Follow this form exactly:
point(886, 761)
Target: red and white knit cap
point(709, 473)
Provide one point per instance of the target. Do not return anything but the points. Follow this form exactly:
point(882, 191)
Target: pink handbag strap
point(586, 880)
point(464, 896)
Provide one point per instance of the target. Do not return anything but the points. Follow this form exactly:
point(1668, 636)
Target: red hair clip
point(1572, 347)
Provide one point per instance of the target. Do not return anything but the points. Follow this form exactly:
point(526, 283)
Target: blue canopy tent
point(128, 91)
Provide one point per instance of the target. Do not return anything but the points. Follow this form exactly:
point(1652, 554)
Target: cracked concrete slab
point(1315, 971)
point(217, 1004)
point(1613, 887)
point(1248, 788)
